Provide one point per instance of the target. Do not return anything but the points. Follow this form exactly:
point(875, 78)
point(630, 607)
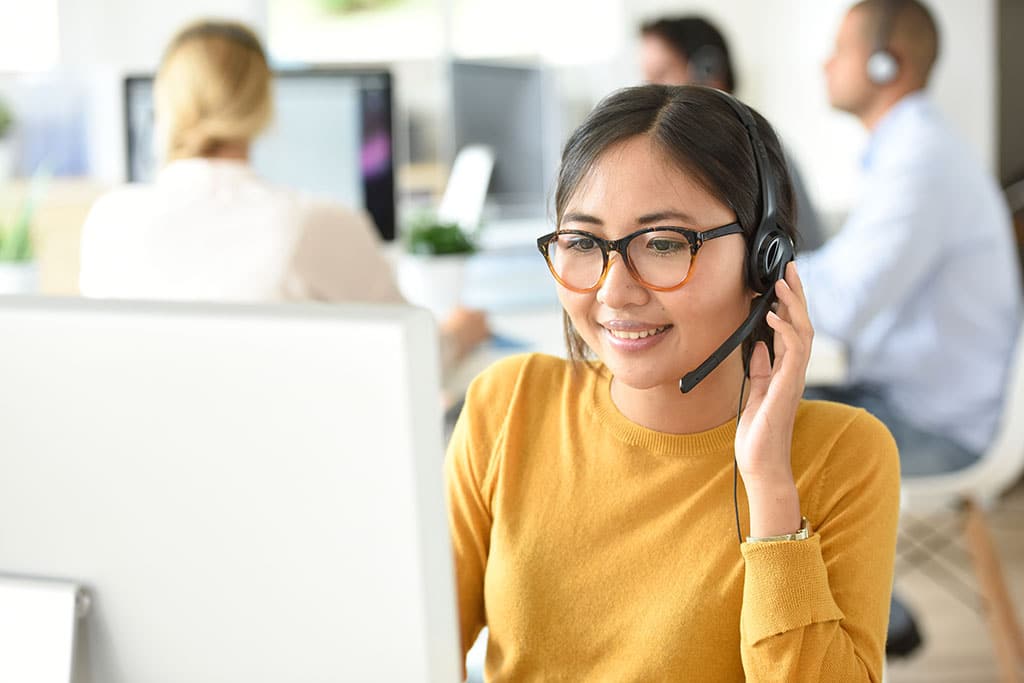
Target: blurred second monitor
point(331, 135)
point(512, 110)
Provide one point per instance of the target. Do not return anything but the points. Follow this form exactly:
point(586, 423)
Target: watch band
point(801, 534)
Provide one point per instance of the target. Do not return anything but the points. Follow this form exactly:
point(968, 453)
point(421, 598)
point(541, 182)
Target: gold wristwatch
point(801, 534)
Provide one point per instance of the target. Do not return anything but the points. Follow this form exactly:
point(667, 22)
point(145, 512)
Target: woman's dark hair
point(689, 36)
point(700, 133)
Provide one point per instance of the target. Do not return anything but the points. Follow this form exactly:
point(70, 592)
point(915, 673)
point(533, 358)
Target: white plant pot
point(19, 278)
point(433, 282)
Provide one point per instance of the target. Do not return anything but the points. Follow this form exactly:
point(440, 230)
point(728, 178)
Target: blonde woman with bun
point(209, 228)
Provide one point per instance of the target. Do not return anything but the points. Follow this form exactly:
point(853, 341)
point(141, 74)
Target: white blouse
point(212, 230)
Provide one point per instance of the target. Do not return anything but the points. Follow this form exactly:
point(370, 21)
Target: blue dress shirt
point(922, 282)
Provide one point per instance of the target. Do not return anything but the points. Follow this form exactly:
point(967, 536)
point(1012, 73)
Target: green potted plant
point(430, 272)
point(19, 272)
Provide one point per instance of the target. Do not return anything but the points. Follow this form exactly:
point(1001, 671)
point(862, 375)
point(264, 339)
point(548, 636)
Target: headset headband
point(769, 202)
point(890, 10)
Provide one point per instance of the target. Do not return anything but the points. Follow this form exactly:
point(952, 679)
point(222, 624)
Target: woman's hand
point(765, 431)
point(468, 328)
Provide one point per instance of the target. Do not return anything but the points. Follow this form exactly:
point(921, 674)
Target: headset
point(882, 65)
point(770, 250)
point(706, 66)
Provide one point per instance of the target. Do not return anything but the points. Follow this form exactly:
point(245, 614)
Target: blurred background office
point(63, 65)
point(376, 99)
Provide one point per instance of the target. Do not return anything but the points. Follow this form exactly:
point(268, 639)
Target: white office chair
point(978, 488)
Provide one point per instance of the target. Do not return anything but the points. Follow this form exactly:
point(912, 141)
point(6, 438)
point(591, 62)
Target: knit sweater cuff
point(785, 588)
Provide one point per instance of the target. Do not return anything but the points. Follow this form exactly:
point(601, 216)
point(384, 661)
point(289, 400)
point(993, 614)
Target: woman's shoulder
point(121, 207)
point(325, 206)
point(325, 220)
point(523, 372)
point(516, 390)
point(127, 197)
point(850, 436)
point(523, 383)
point(830, 417)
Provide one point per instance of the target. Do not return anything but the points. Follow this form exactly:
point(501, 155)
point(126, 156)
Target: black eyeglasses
point(659, 258)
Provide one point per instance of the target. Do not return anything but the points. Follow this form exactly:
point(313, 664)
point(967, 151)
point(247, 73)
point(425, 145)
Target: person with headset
point(690, 50)
point(921, 283)
point(210, 228)
point(663, 504)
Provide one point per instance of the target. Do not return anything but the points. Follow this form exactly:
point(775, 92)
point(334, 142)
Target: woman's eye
point(666, 246)
point(582, 244)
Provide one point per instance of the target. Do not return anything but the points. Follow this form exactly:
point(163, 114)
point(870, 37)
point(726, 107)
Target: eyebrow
point(581, 218)
point(664, 215)
point(646, 218)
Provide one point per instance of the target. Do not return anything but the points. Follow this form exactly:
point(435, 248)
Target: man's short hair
point(688, 35)
point(912, 32)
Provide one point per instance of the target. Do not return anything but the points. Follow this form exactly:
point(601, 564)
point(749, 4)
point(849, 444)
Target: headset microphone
point(770, 251)
point(757, 313)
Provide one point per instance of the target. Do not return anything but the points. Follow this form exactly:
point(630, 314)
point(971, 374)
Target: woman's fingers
point(791, 323)
point(791, 365)
point(760, 377)
point(793, 309)
point(792, 278)
point(780, 345)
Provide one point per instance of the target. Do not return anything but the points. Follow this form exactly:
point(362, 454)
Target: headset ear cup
point(707, 65)
point(774, 251)
point(882, 67)
point(781, 253)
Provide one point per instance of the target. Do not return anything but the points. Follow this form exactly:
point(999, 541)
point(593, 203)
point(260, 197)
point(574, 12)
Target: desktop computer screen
point(331, 135)
point(248, 493)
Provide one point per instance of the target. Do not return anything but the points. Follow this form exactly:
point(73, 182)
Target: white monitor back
point(250, 493)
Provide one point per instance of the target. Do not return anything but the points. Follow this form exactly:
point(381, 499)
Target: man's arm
point(881, 256)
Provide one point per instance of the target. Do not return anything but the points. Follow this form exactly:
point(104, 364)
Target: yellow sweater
point(598, 550)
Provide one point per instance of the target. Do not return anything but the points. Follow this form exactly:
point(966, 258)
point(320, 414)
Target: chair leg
point(1002, 618)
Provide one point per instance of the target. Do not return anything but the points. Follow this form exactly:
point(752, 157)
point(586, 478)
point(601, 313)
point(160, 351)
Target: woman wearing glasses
point(210, 228)
point(593, 506)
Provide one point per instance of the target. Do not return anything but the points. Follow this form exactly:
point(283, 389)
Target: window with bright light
point(28, 35)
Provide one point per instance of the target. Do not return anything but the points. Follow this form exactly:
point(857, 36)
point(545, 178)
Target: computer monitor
point(331, 135)
point(250, 493)
point(511, 109)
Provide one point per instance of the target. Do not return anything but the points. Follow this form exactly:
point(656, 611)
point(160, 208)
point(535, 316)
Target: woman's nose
point(620, 288)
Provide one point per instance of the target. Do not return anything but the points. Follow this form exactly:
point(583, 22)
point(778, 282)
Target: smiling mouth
point(637, 334)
